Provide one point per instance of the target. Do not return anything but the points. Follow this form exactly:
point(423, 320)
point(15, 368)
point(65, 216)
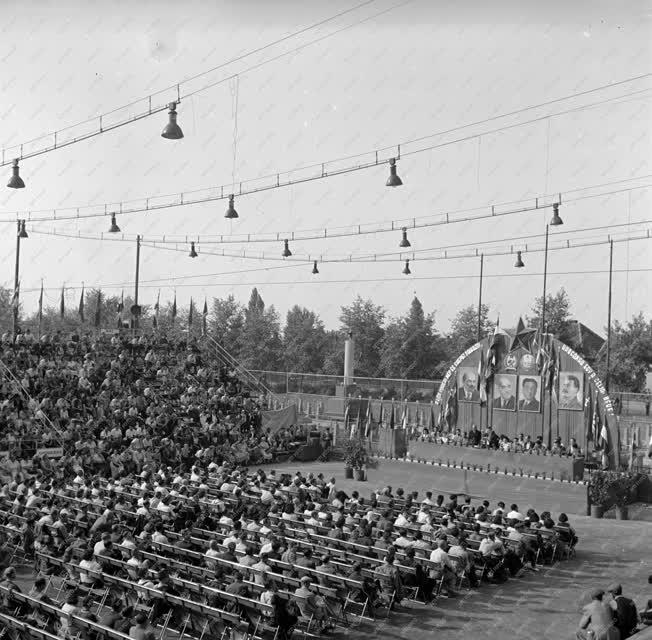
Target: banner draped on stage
point(280, 419)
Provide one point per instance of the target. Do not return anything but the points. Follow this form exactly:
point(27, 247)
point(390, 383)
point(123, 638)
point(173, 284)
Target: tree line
point(406, 346)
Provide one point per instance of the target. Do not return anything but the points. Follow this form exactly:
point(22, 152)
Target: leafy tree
point(631, 354)
point(333, 353)
point(304, 341)
point(557, 313)
point(6, 311)
point(260, 342)
point(464, 329)
point(365, 321)
point(226, 323)
point(411, 347)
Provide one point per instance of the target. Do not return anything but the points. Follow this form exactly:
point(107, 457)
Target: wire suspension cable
point(318, 171)
point(53, 141)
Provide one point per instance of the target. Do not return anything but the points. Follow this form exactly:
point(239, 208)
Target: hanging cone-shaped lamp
point(193, 253)
point(231, 213)
point(172, 130)
point(16, 182)
point(519, 264)
point(404, 240)
point(315, 271)
point(114, 225)
point(286, 250)
point(393, 180)
point(556, 218)
point(406, 269)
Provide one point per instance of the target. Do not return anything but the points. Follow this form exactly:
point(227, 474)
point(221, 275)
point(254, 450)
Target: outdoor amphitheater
point(326, 321)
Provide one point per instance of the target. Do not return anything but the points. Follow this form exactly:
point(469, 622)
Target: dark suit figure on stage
point(507, 399)
point(475, 436)
point(469, 391)
point(529, 391)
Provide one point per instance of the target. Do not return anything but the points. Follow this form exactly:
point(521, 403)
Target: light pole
point(135, 310)
point(555, 221)
point(20, 234)
point(480, 299)
point(611, 263)
point(545, 282)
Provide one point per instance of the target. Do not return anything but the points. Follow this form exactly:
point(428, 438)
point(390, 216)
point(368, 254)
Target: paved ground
point(546, 605)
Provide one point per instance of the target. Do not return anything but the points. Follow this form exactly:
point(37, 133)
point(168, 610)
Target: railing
point(376, 388)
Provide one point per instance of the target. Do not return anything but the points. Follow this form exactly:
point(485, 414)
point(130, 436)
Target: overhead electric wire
point(151, 110)
point(521, 273)
point(356, 230)
point(224, 191)
point(381, 257)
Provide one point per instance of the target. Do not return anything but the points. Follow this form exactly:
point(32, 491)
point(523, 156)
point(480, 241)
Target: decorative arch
point(531, 384)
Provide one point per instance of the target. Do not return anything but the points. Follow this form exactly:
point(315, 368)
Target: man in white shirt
point(444, 567)
point(514, 513)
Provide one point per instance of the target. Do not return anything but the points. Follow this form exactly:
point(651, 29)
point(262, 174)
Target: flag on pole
point(16, 297)
point(98, 310)
point(367, 429)
point(62, 304)
point(430, 423)
point(81, 304)
point(482, 379)
point(358, 422)
point(381, 415)
point(121, 304)
point(554, 367)
point(346, 415)
point(174, 307)
point(404, 417)
point(204, 315)
point(392, 416)
point(588, 416)
point(596, 419)
point(40, 304)
point(157, 307)
point(190, 315)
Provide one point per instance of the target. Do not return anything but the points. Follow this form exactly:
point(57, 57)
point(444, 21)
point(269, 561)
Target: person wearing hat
point(597, 623)
point(626, 613)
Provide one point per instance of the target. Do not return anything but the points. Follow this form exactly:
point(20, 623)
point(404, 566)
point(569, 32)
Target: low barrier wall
point(521, 463)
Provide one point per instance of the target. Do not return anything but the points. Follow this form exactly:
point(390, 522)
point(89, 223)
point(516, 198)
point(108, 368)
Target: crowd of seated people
point(117, 402)
point(489, 439)
point(208, 546)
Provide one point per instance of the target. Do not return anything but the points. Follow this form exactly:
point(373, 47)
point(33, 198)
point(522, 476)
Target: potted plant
point(599, 493)
point(355, 459)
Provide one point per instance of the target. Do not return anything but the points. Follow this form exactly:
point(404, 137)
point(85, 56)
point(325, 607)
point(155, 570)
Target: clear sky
point(424, 67)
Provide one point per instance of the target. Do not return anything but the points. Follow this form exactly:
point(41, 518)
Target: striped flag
point(157, 307)
point(367, 429)
point(81, 304)
point(392, 416)
point(381, 415)
point(40, 304)
point(16, 297)
point(174, 307)
point(62, 304)
point(404, 417)
point(204, 314)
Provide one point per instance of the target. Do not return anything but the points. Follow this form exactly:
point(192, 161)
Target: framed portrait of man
point(467, 385)
point(571, 390)
point(504, 397)
point(529, 393)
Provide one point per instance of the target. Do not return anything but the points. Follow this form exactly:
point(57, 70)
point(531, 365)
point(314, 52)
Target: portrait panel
point(571, 390)
point(529, 393)
point(467, 384)
point(505, 390)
